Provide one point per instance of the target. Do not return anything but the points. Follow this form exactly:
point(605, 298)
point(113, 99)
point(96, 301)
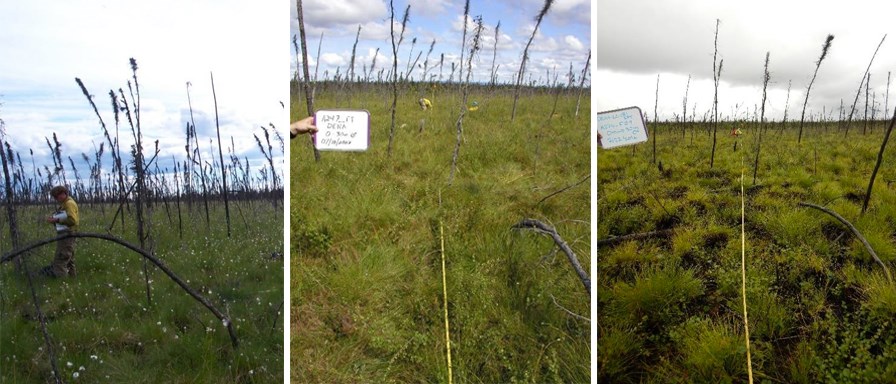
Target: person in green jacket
point(66, 221)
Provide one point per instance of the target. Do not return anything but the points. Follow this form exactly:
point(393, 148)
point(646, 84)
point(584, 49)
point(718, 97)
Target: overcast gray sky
point(46, 45)
point(564, 36)
point(639, 39)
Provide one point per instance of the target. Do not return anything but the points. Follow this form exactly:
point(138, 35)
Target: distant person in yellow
point(424, 103)
point(66, 221)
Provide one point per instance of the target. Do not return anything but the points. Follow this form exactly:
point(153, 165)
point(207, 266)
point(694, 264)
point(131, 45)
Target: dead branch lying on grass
point(12, 255)
point(636, 236)
point(548, 230)
point(564, 189)
point(855, 232)
point(571, 313)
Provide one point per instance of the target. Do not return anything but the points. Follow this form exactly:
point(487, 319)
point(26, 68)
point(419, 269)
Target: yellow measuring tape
point(445, 300)
point(743, 271)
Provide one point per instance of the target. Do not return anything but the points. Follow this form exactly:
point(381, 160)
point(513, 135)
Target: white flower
point(69, 364)
point(81, 368)
point(75, 375)
point(93, 357)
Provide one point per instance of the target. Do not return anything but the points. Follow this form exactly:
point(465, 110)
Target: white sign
point(61, 215)
point(342, 130)
point(621, 127)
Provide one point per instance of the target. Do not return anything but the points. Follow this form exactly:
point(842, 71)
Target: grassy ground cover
point(101, 326)
point(820, 309)
point(366, 234)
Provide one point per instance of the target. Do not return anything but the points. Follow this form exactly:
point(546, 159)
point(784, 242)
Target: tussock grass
point(820, 307)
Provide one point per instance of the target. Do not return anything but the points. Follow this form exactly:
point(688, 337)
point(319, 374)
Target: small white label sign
point(621, 127)
point(342, 130)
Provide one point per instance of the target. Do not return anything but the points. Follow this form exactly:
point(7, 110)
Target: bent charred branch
point(855, 232)
point(12, 255)
point(548, 230)
point(636, 236)
point(564, 189)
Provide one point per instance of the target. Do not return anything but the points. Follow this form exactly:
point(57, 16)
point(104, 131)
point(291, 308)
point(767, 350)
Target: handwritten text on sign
point(342, 130)
point(621, 127)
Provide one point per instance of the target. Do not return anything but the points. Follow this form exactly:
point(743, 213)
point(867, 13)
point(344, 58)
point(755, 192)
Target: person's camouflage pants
point(64, 262)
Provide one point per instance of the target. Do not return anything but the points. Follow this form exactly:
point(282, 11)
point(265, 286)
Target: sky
point(637, 40)
point(46, 45)
point(563, 38)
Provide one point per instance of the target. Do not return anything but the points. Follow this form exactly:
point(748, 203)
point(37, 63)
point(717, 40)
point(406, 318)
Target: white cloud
point(571, 10)
point(428, 7)
point(458, 24)
point(333, 59)
point(173, 42)
point(343, 12)
point(573, 43)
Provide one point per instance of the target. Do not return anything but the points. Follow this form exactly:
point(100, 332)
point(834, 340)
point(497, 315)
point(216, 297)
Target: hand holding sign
point(621, 127)
point(342, 130)
point(303, 126)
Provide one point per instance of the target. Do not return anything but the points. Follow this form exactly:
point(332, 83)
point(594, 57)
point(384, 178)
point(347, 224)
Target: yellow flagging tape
point(445, 300)
point(743, 271)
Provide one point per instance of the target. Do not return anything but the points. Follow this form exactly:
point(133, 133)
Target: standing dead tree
point(309, 99)
point(141, 195)
point(463, 109)
point(463, 41)
point(765, 79)
point(22, 265)
point(859, 91)
point(351, 66)
point(196, 156)
point(786, 105)
point(582, 82)
point(522, 71)
point(655, 118)
point(221, 157)
point(395, 47)
point(7, 158)
point(824, 53)
point(880, 158)
point(684, 106)
point(493, 79)
point(716, 74)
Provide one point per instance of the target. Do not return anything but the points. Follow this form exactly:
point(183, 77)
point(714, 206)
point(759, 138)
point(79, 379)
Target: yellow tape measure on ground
point(743, 270)
point(445, 300)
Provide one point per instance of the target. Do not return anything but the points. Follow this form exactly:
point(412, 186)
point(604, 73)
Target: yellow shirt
point(71, 210)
